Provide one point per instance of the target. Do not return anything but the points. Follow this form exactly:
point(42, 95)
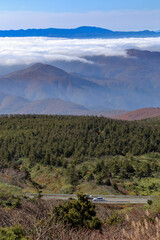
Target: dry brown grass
point(143, 229)
point(37, 219)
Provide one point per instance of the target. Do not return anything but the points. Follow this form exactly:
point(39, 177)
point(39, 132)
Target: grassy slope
point(54, 180)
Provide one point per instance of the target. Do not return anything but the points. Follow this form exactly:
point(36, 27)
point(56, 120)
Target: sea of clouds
point(19, 51)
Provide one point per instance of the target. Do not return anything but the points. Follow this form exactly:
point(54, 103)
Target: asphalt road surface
point(110, 199)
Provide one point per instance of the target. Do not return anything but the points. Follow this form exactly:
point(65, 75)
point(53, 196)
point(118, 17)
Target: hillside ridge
point(79, 32)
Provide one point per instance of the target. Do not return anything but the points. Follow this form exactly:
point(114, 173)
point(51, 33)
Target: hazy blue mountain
point(10, 104)
point(52, 106)
point(81, 32)
point(108, 83)
point(131, 82)
point(42, 81)
point(60, 107)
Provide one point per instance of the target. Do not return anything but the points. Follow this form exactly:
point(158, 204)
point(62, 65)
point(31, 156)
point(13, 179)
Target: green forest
point(74, 151)
point(51, 139)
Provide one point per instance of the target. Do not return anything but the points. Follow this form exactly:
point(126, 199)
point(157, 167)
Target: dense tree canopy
point(52, 140)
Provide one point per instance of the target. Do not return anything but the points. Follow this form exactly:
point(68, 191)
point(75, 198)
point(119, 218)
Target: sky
point(112, 14)
point(78, 6)
point(121, 15)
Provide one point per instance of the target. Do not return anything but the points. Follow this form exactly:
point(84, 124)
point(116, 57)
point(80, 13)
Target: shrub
point(108, 182)
point(95, 223)
point(149, 201)
point(99, 179)
point(153, 207)
point(7, 200)
point(90, 177)
point(78, 213)
point(12, 233)
point(115, 219)
point(115, 186)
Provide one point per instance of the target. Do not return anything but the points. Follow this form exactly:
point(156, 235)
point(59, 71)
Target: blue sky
point(77, 5)
point(111, 14)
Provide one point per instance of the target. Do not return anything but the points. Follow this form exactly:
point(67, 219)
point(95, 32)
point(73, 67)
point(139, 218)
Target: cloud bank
point(17, 51)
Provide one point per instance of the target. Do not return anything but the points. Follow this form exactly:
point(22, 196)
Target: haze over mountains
point(42, 81)
point(10, 104)
point(80, 32)
point(107, 83)
point(130, 82)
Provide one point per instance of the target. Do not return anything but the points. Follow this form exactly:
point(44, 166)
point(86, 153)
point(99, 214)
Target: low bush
point(7, 200)
point(78, 213)
point(12, 233)
point(115, 219)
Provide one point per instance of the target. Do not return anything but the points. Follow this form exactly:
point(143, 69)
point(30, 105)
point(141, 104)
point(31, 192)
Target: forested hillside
point(46, 139)
point(66, 154)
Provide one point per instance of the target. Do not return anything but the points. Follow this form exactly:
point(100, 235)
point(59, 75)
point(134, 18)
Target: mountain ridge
point(41, 81)
point(79, 32)
point(10, 104)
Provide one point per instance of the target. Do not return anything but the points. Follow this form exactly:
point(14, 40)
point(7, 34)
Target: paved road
point(111, 199)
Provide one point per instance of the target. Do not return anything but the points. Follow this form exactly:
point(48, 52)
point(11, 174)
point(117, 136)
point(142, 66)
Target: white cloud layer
point(30, 50)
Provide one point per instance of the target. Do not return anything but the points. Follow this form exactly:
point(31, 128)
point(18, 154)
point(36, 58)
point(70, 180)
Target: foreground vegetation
point(58, 220)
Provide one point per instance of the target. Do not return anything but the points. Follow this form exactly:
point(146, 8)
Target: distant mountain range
point(16, 105)
point(129, 82)
point(45, 89)
point(42, 81)
point(109, 83)
point(79, 33)
point(10, 104)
